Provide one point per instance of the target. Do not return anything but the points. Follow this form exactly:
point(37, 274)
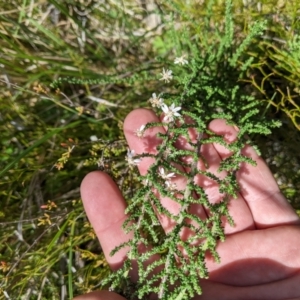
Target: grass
point(47, 248)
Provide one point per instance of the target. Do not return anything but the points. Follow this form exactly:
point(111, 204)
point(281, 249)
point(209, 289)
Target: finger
point(274, 249)
point(105, 208)
point(238, 209)
point(287, 289)
point(257, 184)
point(100, 295)
point(148, 144)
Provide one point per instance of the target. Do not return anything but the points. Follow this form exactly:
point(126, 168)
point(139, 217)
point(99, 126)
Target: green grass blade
point(36, 144)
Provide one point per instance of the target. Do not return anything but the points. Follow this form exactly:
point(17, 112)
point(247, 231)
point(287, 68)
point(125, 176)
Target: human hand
point(260, 256)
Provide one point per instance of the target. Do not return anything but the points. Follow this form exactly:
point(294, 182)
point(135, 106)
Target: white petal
point(170, 175)
point(165, 108)
point(93, 138)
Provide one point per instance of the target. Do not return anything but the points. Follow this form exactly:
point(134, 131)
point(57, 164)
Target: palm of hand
point(259, 259)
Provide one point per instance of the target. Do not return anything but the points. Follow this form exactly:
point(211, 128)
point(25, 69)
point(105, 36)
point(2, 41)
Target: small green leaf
point(181, 295)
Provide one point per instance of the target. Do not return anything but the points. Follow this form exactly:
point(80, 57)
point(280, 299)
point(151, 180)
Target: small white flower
point(166, 75)
point(181, 60)
point(156, 101)
point(130, 158)
point(171, 187)
point(140, 132)
point(145, 182)
point(93, 138)
point(170, 112)
point(165, 176)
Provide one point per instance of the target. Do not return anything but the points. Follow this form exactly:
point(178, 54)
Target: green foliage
point(204, 91)
point(71, 71)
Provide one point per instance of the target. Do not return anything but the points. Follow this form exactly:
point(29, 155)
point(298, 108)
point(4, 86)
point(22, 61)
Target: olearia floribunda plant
point(207, 87)
point(201, 84)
